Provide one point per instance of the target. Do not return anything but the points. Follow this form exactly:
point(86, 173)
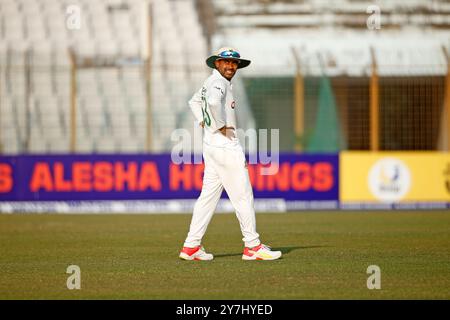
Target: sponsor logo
point(220, 89)
point(447, 177)
point(137, 177)
point(205, 114)
point(389, 180)
point(6, 178)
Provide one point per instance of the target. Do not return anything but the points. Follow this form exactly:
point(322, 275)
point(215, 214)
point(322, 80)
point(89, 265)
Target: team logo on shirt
point(233, 104)
point(220, 89)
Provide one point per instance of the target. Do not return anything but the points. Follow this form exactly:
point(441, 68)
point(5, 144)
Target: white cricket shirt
point(214, 105)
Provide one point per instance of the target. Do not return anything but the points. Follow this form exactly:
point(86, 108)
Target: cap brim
point(242, 62)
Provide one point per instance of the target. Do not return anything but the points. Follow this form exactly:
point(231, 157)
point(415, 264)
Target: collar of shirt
point(217, 74)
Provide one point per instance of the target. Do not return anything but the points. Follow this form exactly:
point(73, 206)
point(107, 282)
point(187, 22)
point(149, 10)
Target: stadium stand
point(35, 83)
point(332, 39)
point(337, 29)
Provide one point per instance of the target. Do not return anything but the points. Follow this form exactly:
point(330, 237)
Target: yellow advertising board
point(394, 177)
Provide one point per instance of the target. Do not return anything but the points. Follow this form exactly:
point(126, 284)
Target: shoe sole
point(254, 257)
point(187, 257)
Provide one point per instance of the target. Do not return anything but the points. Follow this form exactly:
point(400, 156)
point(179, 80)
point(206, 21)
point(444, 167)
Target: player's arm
point(196, 107)
point(216, 94)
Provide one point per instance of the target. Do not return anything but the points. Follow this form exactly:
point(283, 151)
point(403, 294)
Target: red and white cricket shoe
point(261, 252)
point(197, 253)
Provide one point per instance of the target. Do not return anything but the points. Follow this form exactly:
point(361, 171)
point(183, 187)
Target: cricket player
point(214, 108)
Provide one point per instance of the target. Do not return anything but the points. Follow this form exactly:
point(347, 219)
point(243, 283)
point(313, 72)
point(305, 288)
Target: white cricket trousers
point(224, 168)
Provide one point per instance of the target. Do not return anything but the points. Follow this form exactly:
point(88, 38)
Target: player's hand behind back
point(227, 132)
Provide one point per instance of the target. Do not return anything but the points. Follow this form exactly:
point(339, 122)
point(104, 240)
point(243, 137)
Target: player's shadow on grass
point(287, 250)
point(284, 250)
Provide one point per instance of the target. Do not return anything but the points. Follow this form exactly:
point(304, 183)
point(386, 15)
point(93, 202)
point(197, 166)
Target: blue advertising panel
point(155, 176)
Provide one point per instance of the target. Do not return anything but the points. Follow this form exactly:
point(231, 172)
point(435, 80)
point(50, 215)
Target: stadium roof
point(409, 41)
point(342, 52)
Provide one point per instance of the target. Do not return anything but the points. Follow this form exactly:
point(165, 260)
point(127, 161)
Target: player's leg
point(205, 206)
point(236, 181)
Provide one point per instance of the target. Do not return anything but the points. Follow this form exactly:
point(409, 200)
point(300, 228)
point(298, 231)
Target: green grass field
point(326, 255)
